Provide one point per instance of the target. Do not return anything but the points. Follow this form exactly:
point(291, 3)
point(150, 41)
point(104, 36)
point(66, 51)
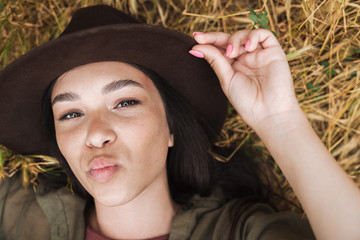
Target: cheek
point(150, 138)
point(69, 143)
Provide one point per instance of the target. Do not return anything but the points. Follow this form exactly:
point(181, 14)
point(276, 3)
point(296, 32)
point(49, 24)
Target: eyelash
point(121, 104)
point(70, 115)
point(127, 103)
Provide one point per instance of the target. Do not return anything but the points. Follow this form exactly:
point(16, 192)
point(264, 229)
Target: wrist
point(278, 125)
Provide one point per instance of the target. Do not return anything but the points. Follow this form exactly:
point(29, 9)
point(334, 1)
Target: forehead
point(98, 74)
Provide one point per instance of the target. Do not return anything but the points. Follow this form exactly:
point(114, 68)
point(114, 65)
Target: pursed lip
point(98, 162)
point(102, 168)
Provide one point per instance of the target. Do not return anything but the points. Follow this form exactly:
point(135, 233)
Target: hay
point(30, 166)
point(321, 40)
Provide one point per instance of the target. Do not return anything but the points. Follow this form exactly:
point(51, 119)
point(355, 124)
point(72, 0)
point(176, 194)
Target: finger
point(236, 43)
point(219, 63)
point(218, 39)
point(261, 58)
point(263, 37)
point(241, 49)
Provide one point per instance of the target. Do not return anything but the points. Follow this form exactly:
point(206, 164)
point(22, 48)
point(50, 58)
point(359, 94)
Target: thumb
point(221, 65)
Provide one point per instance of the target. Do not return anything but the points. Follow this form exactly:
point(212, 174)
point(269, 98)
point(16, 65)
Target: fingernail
point(197, 53)
point(229, 50)
point(247, 45)
point(195, 33)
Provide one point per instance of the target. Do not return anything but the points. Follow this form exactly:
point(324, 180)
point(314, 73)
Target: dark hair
point(189, 164)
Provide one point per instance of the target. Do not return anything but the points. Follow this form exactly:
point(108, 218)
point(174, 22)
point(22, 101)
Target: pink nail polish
point(195, 33)
point(247, 45)
point(197, 53)
point(228, 50)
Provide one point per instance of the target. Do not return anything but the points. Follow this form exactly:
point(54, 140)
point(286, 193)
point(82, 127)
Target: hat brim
point(23, 82)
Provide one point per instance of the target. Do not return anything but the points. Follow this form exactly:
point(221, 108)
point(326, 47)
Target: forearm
point(255, 76)
point(329, 197)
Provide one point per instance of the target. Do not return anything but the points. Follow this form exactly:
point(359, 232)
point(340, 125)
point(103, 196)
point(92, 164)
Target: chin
point(112, 199)
point(113, 195)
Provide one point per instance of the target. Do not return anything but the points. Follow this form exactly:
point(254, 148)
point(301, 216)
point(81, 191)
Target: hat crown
point(96, 16)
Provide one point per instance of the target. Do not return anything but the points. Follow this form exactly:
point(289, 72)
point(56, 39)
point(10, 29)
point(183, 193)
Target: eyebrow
point(108, 88)
point(69, 96)
point(117, 85)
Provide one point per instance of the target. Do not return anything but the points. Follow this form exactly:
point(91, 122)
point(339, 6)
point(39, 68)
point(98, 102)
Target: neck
point(148, 215)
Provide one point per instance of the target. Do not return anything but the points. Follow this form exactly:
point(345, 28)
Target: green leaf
point(325, 63)
point(260, 19)
point(310, 86)
point(254, 19)
point(264, 26)
point(313, 88)
point(332, 72)
point(252, 11)
point(231, 110)
point(264, 21)
point(357, 50)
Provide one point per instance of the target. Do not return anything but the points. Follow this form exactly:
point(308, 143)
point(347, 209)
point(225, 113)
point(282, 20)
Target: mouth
point(102, 169)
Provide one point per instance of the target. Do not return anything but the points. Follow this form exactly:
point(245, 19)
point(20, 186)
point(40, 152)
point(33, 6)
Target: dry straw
point(321, 40)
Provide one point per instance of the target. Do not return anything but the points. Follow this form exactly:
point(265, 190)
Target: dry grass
point(29, 166)
point(321, 39)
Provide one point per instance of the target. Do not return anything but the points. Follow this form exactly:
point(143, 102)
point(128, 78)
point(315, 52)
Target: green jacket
point(57, 214)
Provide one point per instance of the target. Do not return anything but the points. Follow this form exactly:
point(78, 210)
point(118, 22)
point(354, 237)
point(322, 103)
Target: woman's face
point(111, 127)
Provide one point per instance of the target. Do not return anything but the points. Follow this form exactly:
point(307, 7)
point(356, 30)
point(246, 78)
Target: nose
point(100, 133)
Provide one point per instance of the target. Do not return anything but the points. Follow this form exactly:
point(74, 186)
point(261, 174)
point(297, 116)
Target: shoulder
point(262, 222)
point(212, 218)
point(18, 209)
point(42, 214)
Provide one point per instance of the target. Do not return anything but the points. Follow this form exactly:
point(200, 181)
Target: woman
point(115, 96)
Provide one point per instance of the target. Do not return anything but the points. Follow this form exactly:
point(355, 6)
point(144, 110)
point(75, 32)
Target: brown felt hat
point(102, 33)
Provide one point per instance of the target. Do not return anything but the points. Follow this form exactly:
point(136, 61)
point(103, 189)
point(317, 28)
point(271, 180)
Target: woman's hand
point(257, 80)
point(253, 72)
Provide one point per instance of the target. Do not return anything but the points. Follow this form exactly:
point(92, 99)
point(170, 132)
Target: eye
point(127, 103)
point(70, 115)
